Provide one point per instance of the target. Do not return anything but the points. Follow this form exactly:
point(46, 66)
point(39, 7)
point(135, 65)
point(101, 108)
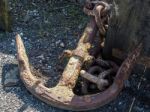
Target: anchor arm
point(62, 96)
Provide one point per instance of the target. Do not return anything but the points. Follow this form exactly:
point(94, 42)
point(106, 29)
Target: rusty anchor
point(62, 94)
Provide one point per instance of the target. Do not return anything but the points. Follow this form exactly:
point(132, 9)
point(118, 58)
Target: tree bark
point(129, 25)
point(5, 24)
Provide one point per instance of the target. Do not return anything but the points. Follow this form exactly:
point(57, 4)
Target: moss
point(5, 23)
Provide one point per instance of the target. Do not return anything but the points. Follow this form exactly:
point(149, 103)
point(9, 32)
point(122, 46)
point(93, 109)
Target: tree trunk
point(4, 16)
point(129, 25)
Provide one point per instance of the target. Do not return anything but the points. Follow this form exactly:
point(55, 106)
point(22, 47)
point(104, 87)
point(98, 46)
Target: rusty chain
point(93, 8)
point(100, 10)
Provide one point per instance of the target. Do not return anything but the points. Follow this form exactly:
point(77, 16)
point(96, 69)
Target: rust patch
point(62, 94)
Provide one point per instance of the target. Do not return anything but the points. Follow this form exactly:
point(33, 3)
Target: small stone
point(64, 12)
point(41, 57)
point(35, 13)
point(5, 56)
point(12, 44)
point(25, 38)
point(46, 21)
point(11, 78)
point(21, 34)
point(80, 26)
point(62, 44)
point(138, 109)
point(115, 109)
point(27, 18)
point(57, 42)
point(120, 103)
point(49, 67)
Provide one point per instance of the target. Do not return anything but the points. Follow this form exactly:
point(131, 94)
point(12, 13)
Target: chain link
point(102, 16)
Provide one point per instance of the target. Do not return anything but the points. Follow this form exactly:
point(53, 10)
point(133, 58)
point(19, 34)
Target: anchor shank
point(75, 63)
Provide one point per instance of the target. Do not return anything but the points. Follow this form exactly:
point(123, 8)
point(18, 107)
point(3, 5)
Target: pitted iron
point(62, 94)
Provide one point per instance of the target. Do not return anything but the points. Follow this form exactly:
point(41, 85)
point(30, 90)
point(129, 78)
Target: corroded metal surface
point(143, 60)
point(100, 13)
point(62, 94)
